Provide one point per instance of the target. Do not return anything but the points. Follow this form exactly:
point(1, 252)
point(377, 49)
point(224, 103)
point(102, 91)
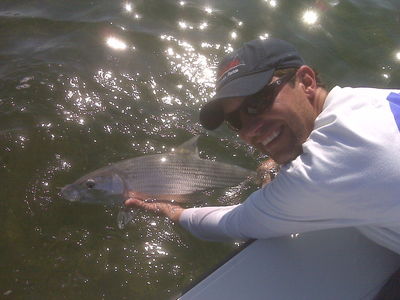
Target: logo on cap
point(229, 69)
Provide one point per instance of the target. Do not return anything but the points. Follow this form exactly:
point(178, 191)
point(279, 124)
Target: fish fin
point(189, 147)
point(125, 217)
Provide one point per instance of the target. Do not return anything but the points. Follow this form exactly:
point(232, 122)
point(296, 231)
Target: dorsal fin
point(189, 147)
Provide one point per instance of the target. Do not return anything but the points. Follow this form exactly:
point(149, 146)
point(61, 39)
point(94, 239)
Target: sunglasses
point(257, 103)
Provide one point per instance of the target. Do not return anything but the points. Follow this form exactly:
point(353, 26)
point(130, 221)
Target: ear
point(307, 81)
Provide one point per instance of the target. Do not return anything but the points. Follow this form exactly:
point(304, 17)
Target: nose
point(250, 127)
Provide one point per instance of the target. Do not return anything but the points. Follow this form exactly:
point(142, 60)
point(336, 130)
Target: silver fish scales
point(179, 174)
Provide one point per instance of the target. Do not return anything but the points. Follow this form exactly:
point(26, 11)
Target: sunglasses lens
point(257, 103)
point(263, 100)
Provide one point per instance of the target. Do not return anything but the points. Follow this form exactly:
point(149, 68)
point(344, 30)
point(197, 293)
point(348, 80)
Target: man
point(338, 151)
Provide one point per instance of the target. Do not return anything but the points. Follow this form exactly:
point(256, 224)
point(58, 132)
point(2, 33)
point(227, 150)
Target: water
point(86, 83)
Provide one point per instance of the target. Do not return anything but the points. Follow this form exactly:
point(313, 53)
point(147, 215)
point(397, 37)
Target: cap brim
point(212, 114)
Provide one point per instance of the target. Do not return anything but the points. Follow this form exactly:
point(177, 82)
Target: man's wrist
point(176, 214)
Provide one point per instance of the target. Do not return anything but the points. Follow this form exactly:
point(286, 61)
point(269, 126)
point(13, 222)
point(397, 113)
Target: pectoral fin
point(124, 217)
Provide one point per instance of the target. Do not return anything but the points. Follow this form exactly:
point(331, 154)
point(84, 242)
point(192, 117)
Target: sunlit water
point(83, 84)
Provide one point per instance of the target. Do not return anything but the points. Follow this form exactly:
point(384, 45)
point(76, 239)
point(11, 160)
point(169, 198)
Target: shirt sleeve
point(297, 200)
point(269, 212)
point(210, 223)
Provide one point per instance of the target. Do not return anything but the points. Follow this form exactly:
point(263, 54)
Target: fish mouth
point(69, 193)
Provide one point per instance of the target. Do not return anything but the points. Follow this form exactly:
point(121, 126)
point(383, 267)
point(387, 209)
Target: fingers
point(134, 202)
point(267, 171)
point(138, 195)
point(171, 211)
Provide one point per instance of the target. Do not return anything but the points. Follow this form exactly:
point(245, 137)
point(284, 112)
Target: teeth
point(271, 137)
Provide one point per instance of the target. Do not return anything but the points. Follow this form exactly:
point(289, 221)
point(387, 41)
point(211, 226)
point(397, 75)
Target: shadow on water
point(87, 84)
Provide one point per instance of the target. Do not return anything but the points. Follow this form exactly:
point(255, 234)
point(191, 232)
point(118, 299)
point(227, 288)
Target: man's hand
point(267, 171)
point(170, 210)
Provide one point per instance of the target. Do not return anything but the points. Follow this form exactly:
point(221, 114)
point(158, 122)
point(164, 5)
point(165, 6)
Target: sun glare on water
point(310, 17)
point(116, 43)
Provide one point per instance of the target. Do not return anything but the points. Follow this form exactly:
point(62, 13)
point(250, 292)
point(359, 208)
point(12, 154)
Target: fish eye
point(90, 183)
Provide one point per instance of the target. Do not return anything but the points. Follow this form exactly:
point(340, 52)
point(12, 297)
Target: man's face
point(283, 127)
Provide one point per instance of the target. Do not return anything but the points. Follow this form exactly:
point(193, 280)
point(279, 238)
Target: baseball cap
point(245, 72)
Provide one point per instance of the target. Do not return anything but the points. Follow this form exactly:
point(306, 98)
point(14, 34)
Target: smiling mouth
point(271, 137)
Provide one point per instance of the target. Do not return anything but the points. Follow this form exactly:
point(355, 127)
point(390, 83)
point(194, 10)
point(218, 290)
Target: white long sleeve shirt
point(347, 176)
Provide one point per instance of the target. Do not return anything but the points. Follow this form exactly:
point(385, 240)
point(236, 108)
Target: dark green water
point(86, 83)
